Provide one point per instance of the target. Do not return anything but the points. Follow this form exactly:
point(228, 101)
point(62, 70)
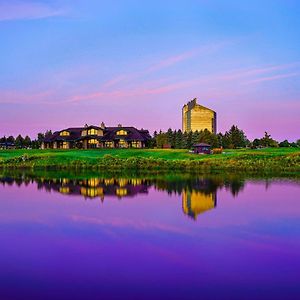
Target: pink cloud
point(275, 77)
point(17, 10)
point(257, 71)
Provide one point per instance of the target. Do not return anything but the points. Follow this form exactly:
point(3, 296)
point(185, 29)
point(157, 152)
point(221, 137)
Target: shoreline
point(249, 161)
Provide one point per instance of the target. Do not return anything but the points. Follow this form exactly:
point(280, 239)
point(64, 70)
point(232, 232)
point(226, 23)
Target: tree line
point(233, 138)
point(26, 142)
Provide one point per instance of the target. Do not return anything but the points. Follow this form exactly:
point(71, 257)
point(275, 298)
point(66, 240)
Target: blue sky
point(67, 63)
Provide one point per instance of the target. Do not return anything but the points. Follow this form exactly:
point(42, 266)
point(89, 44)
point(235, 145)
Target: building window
point(64, 190)
point(121, 192)
point(91, 192)
point(65, 145)
point(123, 144)
point(92, 131)
point(122, 132)
point(64, 133)
point(83, 133)
point(136, 144)
point(109, 144)
point(92, 141)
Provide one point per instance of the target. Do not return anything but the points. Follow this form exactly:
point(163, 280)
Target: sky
point(65, 63)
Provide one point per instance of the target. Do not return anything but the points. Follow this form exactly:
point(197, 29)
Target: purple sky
point(66, 63)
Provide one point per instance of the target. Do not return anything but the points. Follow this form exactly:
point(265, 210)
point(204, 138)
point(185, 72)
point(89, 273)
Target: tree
point(27, 141)
point(237, 137)
point(189, 141)
point(256, 143)
point(267, 141)
point(161, 140)
point(195, 137)
point(209, 138)
point(3, 139)
point(179, 140)
point(10, 139)
point(185, 140)
point(19, 142)
point(284, 143)
point(170, 137)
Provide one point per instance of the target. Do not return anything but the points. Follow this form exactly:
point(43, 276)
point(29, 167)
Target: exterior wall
point(196, 117)
point(184, 118)
point(201, 118)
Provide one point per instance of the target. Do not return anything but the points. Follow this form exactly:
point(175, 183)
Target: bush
point(217, 150)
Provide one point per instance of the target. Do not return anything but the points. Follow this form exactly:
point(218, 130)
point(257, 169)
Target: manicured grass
point(279, 159)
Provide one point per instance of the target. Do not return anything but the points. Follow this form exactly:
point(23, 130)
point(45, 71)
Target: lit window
point(92, 141)
point(121, 192)
point(91, 192)
point(122, 132)
point(109, 144)
point(92, 131)
point(64, 190)
point(65, 145)
point(64, 133)
point(83, 133)
point(136, 144)
point(93, 182)
point(122, 144)
point(123, 182)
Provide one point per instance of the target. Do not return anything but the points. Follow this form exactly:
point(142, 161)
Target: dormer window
point(92, 131)
point(64, 133)
point(122, 132)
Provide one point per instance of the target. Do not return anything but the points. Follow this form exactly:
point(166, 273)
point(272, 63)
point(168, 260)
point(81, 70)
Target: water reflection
point(199, 194)
point(83, 235)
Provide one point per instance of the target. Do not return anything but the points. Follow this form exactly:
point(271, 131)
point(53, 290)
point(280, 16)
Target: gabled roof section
point(133, 134)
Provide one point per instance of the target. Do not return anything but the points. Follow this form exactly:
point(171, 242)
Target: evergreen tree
point(195, 137)
point(237, 136)
point(27, 141)
point(161, 140)
point(10, 139)
point(179, 140)
point(19, 142)
point(267, 141)
point(173, 139)
point(170, 137)
point(185, 140)
point(189, 142)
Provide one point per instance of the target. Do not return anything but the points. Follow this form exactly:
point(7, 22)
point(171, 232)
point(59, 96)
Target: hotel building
point(196, 117)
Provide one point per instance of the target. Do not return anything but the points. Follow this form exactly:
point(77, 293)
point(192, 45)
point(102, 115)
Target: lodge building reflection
point(198, 195)
point(96, 187)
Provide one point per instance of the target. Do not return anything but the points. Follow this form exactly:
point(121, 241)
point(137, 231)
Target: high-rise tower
point(197, 117)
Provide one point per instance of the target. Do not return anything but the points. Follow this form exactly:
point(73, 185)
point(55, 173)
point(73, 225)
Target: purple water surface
point(150, 245)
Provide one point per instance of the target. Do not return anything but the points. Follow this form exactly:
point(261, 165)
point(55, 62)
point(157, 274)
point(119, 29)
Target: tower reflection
point(197, 202)
point(198, 194)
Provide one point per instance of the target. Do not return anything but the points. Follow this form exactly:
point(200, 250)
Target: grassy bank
point(258, 160)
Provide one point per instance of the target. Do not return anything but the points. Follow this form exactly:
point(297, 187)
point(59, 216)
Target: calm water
point(155, 237)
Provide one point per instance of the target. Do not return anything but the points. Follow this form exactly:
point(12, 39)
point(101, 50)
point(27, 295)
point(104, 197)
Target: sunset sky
point(64, 63)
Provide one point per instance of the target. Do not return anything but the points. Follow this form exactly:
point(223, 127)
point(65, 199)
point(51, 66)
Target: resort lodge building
point(89, 137)
point(196, 117)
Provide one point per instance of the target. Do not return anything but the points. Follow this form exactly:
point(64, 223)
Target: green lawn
point(146, 153)
point(269, 158)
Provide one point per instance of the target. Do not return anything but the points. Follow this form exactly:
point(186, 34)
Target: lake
point(170, 236)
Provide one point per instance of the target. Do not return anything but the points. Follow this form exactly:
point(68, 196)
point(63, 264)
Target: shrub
point(217, 151)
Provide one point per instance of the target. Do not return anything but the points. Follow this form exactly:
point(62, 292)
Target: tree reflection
point(198, 193)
